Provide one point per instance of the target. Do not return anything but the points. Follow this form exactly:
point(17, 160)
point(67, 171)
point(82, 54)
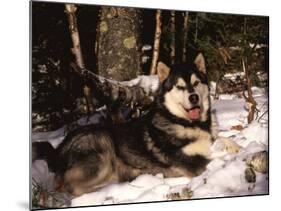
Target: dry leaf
point(237, 127)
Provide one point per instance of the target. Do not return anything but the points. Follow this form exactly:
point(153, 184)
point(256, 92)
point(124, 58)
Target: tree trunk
point(250, 99)
point(196, 29)
point(119, 48)
point(185, 33)
point(173, 37)
point(118, 43)
point(76, 50)
point(156, 46)
point(252, 104)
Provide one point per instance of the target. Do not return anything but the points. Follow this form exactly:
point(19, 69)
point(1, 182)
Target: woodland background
point(230, 43)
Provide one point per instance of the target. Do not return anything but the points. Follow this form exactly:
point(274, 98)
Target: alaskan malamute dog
point(174, 138)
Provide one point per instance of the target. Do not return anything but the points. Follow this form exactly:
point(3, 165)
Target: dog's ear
point(199, 61)
point(162, 71)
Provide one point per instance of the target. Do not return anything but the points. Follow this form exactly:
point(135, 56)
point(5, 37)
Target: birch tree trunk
point(156, 46)
point(76, 50)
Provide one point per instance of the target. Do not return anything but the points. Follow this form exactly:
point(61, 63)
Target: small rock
point(250, 175)
point(259, 162)
point(186, 193)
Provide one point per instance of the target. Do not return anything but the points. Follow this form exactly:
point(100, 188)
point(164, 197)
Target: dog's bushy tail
point(44, 151)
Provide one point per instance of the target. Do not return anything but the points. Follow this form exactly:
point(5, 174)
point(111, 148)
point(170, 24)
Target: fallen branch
point(127, 93)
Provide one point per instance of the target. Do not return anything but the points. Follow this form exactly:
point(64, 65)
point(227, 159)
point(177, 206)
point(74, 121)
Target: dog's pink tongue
point(194, 114)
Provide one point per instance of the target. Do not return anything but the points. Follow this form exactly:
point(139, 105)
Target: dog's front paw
point(230, 146)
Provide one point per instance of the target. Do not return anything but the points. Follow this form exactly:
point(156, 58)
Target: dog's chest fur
point(190, 140)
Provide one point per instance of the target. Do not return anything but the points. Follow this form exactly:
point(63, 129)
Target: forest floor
point(228, 174)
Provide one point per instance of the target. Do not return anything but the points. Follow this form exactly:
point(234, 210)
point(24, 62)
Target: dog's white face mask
point(189, 97)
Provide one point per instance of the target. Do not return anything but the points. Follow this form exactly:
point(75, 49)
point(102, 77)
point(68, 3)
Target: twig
point(262, 115)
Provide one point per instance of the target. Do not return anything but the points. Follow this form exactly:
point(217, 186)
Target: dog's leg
point(79, 180)
point(214, 125)
point(230, 146)
point(89, 159)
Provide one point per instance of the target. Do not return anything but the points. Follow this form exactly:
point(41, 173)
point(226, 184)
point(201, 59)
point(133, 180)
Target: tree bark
point(156, 46)
point(250, 99)
point(76, 50)
point(196, 29)
point(119, 48)
point(252, 104)
point(173, 37)
point(185, 33)
point(119, 43)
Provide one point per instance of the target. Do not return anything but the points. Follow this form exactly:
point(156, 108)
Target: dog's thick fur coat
point(174, 138)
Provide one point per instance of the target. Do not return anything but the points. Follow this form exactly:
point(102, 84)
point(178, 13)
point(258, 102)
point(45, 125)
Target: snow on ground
point(225, 174)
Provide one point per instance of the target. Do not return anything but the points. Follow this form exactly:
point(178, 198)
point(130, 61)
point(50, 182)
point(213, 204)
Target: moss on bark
point(119, 43)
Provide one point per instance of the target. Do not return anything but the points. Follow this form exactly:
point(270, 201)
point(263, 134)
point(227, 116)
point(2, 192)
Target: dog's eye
point(181, 87)
point(196, 83)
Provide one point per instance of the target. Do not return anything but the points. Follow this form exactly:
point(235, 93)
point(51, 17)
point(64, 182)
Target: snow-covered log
point(138, 92)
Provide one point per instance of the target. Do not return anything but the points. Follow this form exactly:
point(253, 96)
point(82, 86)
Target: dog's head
point(184, 91)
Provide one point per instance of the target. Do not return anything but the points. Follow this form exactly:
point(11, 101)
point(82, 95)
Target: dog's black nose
point(194, 98)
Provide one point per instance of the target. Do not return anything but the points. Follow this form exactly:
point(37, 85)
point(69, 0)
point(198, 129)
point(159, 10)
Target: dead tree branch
point(126, 93)
point(76, 50)
point(156, 46)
